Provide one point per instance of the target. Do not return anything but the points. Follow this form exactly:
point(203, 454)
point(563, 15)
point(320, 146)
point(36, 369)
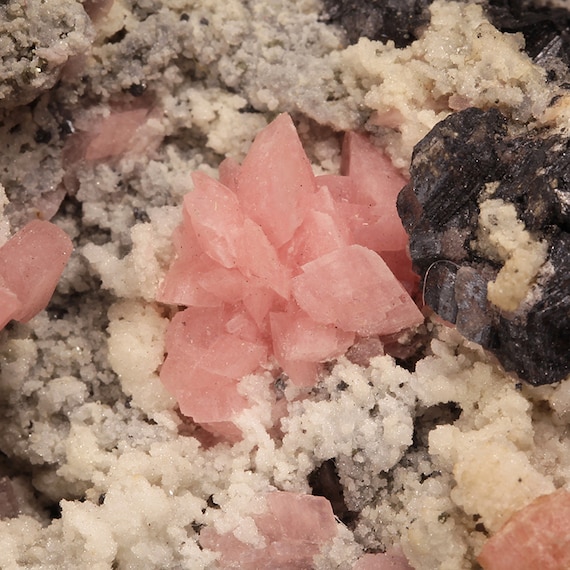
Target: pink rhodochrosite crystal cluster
point(31, 263)
point(273, 261)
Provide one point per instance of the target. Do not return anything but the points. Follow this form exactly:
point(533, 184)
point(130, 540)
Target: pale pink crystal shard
point(353, 289)
point(295, 528)
point(296, 336)
point(112, 135)
point(228, 173)
point(377, 183)
point(31, 263)
point(9, 304)
point(275, 180)
point(258, 258)
point(324, 229)
point(182, 286)
point(205, 362)
point(216, 217)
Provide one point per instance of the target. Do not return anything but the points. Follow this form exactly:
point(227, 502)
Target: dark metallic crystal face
point(466, 159)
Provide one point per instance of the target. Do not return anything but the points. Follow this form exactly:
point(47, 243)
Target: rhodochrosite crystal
point(275, 262)
point(31, 263)
point(535, 537)
point(294, 526)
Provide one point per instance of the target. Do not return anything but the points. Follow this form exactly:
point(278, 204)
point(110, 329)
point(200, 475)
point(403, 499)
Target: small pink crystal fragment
point(9, 304)
point(353, 289)
point(275, 180)
point(258, 301)
point(302, 373)
point(228, 173)
point(296, 336)
point(201, 395)
point(31, 263)
point(241, 324)
point(181, 285)
point(376, 179)
point(400, 264)
point(297, 517)
point(231, 356)
point(204, 363)
point(324, 229)
point(295, 527)
point(377, 184)
point(228, 285)
point(258, 258)
point(112, 136)
point(216, 218)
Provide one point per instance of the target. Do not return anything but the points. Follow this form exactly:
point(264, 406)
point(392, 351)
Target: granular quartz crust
point(487, 211)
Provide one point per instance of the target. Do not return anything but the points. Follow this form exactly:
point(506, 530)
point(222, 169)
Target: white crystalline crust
point(431, 459)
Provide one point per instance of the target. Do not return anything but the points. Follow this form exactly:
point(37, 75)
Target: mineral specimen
point(273, 262)
point(488, 215)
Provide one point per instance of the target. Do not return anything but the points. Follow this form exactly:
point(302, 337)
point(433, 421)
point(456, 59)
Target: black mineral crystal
point(482, 195)
point(396, 20)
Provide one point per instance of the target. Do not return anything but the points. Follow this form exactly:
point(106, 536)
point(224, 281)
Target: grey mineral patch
point(36, 40)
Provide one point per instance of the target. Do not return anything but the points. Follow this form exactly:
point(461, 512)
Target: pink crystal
point(258, 258)
point(275, 181)
point(228, 172)
point(353, 289)
point(216, 217)
point(272, 261)
point(295, 528)
point(31, 263)
point(296, 336)
point(112, 136)
point(205, 361)
point(9, 304)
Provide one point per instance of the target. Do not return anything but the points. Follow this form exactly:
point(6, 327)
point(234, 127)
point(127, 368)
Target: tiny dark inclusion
point(450, 172)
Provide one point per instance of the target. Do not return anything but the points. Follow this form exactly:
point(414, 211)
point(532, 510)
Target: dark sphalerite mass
point(452, 169)
point(396, 20)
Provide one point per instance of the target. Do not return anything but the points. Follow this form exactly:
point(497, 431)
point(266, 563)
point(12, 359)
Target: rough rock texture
point(483, 206)
point(36, 40)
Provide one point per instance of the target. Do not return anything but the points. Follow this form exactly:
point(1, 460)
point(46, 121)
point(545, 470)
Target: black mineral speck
point(137, 89)
point(396, 20)
point(471, 156)
point(42, 136)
